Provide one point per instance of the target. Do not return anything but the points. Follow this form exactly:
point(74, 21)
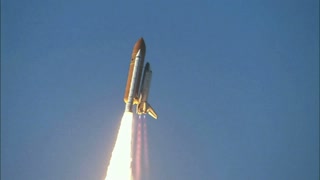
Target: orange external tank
point(139, 45)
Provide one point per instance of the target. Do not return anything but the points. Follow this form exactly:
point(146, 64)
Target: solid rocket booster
point(133, 95)
point(140, 45)
point(134, 81)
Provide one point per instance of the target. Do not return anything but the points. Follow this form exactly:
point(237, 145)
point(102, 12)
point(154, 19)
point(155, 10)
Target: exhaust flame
point(120, 163)
point(145, 144)
point(138, 152)
point(141, 150)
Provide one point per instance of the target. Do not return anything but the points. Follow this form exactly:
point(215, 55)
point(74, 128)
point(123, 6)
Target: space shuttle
point(137, 87)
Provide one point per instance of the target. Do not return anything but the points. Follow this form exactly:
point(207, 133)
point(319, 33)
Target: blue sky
point(235, 85)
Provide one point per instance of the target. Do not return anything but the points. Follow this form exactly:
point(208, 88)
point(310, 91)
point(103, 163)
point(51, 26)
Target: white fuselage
point(129, 104)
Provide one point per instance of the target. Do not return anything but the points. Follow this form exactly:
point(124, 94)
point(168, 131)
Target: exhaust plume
point(120, 163)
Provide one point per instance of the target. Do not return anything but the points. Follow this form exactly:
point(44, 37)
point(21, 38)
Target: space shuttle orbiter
point(143, 106)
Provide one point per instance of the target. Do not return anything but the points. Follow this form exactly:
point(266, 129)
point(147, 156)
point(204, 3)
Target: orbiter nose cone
point(147, 67)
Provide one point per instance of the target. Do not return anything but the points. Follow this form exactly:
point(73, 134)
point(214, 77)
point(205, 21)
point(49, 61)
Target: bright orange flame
point(120, 163)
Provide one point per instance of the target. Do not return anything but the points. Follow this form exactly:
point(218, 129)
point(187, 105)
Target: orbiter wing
point(144, 108)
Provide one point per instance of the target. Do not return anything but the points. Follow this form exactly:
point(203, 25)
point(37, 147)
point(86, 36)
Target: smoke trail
point(120, 163)
point(138, 152)
point(145, 144)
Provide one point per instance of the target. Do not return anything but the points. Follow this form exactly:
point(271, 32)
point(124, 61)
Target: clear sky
point(235, 85)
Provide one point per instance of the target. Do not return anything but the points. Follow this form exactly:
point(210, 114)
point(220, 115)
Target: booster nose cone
point(138, 53)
